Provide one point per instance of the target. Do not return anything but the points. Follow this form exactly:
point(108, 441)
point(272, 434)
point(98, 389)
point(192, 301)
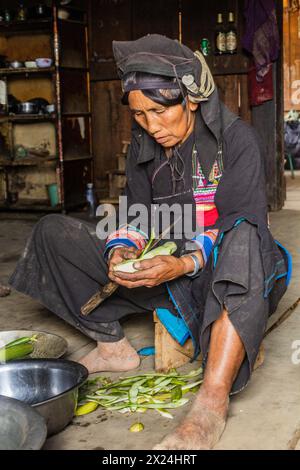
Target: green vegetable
point(167, 248)
point(86, 408)
point(17, 349)
point(136, 427)
point(23, 340)
point(15, 352)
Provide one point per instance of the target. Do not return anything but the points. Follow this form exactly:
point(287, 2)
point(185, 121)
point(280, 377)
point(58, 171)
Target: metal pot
point(21, 427)
point(50, 386)
point(27, 108)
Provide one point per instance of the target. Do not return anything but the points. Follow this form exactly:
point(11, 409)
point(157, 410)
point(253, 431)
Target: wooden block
point(168, 353)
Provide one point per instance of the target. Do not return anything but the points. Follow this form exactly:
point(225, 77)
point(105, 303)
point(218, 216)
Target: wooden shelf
point(26, 70)
point(84, 23)
point(75, 157)
point(68, 68)
point(29, 26)
point(28, 161)
point(30, 205)
point(24, 118)
point(227, 64)
point(84, 113)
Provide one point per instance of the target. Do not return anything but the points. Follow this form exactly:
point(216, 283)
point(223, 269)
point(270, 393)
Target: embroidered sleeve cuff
point(205, 242)
point(126, 236)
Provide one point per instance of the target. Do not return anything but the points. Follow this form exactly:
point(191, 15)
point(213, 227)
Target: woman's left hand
point(152, 272)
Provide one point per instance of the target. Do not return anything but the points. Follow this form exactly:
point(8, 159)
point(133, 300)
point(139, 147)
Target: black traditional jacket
point(241, 194)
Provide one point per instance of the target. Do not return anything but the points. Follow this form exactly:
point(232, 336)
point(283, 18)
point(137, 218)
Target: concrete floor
point(266, 415)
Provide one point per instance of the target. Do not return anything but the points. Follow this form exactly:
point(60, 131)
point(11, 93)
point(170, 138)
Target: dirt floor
point(266, 415)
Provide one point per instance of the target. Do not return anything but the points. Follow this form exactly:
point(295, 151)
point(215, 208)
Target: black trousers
point(63, 266)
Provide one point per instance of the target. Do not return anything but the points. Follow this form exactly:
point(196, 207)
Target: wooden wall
point(291, 55)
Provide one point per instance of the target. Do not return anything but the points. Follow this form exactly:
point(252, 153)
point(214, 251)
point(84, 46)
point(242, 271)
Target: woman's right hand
point(119, 255)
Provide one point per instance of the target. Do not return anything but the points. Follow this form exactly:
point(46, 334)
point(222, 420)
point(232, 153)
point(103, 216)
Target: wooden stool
point(169, 354)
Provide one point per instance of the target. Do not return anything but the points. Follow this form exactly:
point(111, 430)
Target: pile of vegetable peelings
point(139, 393)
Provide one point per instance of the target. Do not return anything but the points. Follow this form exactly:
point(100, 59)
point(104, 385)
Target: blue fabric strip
point(205, 243)
point(179, 311)
point(175, 325)
point(290, 262)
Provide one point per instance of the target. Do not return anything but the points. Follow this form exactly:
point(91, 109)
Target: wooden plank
point(111, 126)
point(110, 20)
point(168, 353)
point(245, 109)
point(229, 92)
point(161, 19)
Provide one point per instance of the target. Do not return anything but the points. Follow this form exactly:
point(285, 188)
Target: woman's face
point(168, 125)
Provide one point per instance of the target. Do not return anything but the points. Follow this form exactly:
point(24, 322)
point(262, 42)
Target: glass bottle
point(91, 200)
point(21, 15)
point(7, 16)
point(231, 35)
point(220, 36)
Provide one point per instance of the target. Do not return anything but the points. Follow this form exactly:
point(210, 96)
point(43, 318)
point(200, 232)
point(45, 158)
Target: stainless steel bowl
point(16, 64)
point(21, 427)
point(49, 385)
point(27, 108)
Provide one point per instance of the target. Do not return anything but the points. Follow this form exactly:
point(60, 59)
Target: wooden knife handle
point(98, 298)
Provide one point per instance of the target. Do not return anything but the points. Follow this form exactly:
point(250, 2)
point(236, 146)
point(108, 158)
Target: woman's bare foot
point(113, 357)
point(202, 427)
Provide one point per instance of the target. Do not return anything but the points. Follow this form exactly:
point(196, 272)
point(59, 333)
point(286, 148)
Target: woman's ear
point(192, 106)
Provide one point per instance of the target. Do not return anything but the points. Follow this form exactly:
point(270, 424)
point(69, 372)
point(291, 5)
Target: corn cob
point(167, 248)
point(15, 352)
point(17, 349)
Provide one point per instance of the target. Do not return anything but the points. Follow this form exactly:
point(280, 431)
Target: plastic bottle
point(90, 198)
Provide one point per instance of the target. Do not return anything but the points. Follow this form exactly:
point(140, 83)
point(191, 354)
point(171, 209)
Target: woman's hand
point(155, 271)
point(119, 255)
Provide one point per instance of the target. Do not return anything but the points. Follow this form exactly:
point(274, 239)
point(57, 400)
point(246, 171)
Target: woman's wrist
point(188, 262)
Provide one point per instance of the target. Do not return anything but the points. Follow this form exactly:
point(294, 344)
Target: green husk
point(17, 349)
point(150, 391)
point(167, 248)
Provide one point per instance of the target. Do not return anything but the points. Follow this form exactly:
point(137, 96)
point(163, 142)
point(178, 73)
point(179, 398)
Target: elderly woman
point(186, 148)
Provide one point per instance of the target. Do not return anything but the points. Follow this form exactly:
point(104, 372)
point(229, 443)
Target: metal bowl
point(16, 64)
point(21, 427)
point(27, 108)
point(47, 346)
point(49, 385)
